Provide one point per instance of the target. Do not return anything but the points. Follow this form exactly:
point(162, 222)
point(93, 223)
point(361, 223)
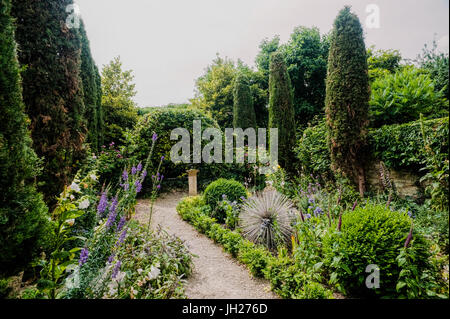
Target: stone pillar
point(192, 177)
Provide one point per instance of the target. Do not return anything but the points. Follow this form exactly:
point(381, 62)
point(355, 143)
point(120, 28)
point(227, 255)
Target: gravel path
point(216, 274)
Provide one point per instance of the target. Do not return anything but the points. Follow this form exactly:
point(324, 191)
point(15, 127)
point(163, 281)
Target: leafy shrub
point(233, 191)
point(159, 272)
point(402, 146)
point(255, 257)
point(403, 96)
point(312, 151)
point(163, 122)
point(266, 219)
point(369, 235)
point(5, 288)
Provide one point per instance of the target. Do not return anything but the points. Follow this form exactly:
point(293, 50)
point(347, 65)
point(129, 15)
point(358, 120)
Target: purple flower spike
point(133, 170)
point(154, 137)
point(307, 216)
point(354, 205)
point(144, 174)
point(158, 187)
point(162, 158)
point(125, 175)
point(121, 238)
point(339, 223)
point(102, 204)
point(138, 185)
point(112, 213)
point(116, 269)
point(126, 186)
point(408, 239)
point(111, 258)
point(139, 167)
point(122, 222)
point(83, 256)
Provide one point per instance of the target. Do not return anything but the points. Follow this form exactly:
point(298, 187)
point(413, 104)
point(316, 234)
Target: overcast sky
point(169, 43)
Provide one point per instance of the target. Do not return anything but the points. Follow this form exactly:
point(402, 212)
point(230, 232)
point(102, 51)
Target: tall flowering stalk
point(156, 186)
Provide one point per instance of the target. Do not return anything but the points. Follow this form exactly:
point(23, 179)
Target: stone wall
point(405, 182)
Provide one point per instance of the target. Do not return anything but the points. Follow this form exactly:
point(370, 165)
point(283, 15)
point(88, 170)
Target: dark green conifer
point(281, 109)
point(347, 97)
point(23, 214)
point(91, 81)
point(50, 53)
point(243, 112)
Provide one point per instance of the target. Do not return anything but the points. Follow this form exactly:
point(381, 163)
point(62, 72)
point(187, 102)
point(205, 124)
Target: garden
point(354, 206)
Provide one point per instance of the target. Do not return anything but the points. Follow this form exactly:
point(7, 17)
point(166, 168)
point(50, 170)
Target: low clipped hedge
point(233, 190)
point(261, 263)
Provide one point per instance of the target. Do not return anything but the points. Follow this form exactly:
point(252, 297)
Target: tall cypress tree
point(281, 109)
point(23, 214)
point(243, 112)
point(347, 97)
point(90, 77)
point(52, 87)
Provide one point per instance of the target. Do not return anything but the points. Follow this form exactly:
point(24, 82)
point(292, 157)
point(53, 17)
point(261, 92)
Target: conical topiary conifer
point(347, 97)
point(243, 112)
point(281, 109)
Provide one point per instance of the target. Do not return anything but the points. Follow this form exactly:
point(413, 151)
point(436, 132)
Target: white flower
point(139, 271)
point(75, 187)
point(72, 197)
point(93, 177)
point(84, 204)
point(153, 273)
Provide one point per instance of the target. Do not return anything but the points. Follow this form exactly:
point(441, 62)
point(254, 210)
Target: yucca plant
point(266, 219)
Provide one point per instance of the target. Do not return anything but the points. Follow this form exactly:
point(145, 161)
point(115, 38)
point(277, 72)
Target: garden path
point(216, 274)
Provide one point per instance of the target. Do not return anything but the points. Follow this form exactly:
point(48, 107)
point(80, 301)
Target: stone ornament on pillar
point(192, 178)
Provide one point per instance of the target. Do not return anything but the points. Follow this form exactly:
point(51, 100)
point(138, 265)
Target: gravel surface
point(216, 274)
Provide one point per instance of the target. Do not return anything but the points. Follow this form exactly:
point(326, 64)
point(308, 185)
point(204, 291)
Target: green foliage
point(347, 96)
point(401, 146)
point(281, 109)
point(163, 122)
point(437, 167)
point(120, 112)
point(402, 96)
point(287, 277)
point(23, 214)
point(5, 288)
point(158, 273)
point(92, 93)
point(52, 88)
point(313, 153)
point(382, 62)
point(306, 56)
point(53, 269)
point(436, 64)
point(243, 112)
point(214, 91)
point(255, 257)
point(419, 279)
point(369, 235)
point(233, 191)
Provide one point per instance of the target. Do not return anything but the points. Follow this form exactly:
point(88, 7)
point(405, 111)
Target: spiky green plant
point(266, 219)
